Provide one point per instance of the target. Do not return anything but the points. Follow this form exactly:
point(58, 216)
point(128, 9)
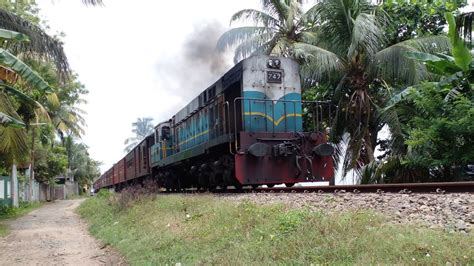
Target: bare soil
point(54, 235)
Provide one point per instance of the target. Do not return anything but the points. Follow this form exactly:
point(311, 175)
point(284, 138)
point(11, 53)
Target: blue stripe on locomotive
point(278, 116)
point(194, 131)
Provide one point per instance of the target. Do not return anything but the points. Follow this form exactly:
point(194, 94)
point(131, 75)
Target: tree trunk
point(32, 163)
point(14, 187)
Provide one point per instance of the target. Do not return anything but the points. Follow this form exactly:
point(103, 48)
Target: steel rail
point(404, 188)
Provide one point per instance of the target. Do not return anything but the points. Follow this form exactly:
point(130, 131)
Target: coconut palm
point(141, 128)
point(281, 28)
point(354, 31)
point(39, 45)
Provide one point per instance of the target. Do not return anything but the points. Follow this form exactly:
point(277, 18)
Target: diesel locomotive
point(245, 129)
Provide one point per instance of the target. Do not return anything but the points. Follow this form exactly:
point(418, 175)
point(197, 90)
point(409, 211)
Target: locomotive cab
point(163, 146)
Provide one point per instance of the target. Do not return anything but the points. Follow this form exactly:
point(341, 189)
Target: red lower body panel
point(298, 164)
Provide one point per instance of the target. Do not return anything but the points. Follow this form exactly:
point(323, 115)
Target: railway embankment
point(450, 212)
point(268, 229)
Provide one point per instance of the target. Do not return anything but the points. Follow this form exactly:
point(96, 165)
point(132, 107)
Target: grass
point(170, 229)
point(7, 213)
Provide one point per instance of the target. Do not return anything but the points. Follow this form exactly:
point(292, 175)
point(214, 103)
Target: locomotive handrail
point(227, 116)
point(317, 117)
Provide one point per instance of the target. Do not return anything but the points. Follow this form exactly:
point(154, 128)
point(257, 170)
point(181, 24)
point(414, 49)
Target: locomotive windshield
point(165, 133)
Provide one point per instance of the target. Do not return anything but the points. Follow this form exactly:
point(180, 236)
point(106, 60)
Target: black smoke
point(198, 64)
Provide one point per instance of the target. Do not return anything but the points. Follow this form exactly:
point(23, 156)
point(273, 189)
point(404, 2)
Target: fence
point(39, 191)
point(45, 192)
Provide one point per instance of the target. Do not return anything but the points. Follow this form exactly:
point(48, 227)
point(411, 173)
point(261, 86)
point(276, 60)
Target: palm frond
point(68, 120)
point(238, 35)
point(40, 45)
point(258, 17)
point(392, 64)
point(310, 16)
point(9, 121)
point(13, 142)
point(370, 174)
point(53, 100)
point(367, 36)
point(276, 8)
point(318, 61)
point(259, 44)
point(93, 2)
point(294, 12)
point(39, 109)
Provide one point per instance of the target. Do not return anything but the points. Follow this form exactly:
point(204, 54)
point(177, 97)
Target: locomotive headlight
point(324, 149)
point(259, 149)
point(273, 63)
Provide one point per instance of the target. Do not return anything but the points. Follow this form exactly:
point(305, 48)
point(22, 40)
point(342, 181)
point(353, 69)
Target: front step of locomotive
point(283, 158)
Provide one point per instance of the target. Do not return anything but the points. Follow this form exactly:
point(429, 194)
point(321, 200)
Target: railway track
point(440, 188)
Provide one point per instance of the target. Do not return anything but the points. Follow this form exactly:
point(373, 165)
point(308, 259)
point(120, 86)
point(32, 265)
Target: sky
point(139, 59)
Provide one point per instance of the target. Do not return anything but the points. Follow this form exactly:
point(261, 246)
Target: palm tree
point(354, 30)
point(340, 43)
point(39, 46)
point(282, 28)
point(142, 128)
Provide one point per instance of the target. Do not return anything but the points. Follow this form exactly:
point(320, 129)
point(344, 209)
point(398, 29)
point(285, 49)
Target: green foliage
point(435, 121)
point(27, 10)
point(189, 229)
point(411, 19)
point(42, 70)
point(104, 194)
point(462, 55)
point(50, 163)
point(9, 121)
point(83, 168)
point(441, 132)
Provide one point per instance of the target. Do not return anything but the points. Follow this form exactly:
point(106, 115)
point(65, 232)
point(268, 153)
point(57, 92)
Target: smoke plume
point(198, 65)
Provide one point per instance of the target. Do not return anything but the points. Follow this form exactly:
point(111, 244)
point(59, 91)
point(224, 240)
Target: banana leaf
point(435, 63)
point(462, 55)
point(13, 35)
point(24, 71)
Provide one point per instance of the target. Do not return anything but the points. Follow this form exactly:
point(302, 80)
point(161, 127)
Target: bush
point(131, 194)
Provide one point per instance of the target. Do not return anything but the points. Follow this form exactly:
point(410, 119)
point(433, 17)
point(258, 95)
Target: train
point(249, 128)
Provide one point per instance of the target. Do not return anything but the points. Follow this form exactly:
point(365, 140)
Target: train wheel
point(270, 185)
point(254, 186)
point(289, 184)
point(223, 186)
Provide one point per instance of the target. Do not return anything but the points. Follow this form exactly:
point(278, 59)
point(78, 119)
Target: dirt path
point(53, 235)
